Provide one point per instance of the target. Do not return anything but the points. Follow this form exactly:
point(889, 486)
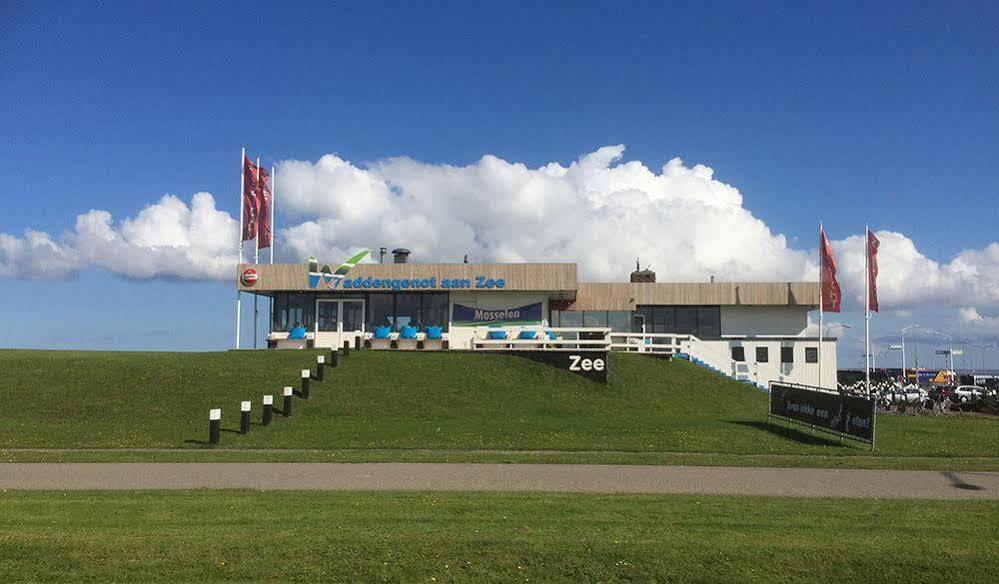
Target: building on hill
point(756, 331)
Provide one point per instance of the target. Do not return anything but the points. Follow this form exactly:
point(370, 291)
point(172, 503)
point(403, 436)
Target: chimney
point(400, 255)
point(642, 276)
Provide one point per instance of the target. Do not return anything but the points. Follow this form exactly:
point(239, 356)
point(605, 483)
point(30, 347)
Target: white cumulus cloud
point(599, 211)
point(168, 239)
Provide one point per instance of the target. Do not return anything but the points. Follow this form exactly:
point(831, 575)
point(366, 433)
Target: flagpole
point(822, 298)
point(256, 253)
point(273, 199)
point(239, 293)
point(270, 321)
point(867, 307)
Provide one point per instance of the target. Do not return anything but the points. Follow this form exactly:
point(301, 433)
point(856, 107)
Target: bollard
point(346, 349)
point(320, 367)
point(286, 407)
point(357, 343)
point(306, 376)
point(214, 425)
point(333, 358)
point(244, 417)
point(268, 409)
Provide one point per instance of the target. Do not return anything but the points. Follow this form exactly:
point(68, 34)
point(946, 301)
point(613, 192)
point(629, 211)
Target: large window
point(686, 320)
point(595, 318)
point(619, 321)
point(291, 310)
point(435, 308)
point(701, 321)
point(399, 310)
point(380, 311)
point(279, 313)
point(407, 310)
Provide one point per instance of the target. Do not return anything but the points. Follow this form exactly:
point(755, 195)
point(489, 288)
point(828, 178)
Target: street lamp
point(902, 336)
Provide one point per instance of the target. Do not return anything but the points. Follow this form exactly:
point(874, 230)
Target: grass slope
point(235, 536)
point(380, 400)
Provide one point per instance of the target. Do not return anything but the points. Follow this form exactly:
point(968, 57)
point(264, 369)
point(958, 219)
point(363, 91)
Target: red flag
point(251, 203)
point(872, 271)
point(831, 296)
point(264, 200)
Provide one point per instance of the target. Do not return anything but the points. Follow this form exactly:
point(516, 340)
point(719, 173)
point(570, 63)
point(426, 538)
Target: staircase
point(740, 371)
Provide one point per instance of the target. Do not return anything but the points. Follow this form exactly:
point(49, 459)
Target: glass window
point(571, 318)
point(811, 355)
point(380, 312)
point(353, 315)
point(619, 320)
point(644, 315)
point(686, 320)
point(787, 354)
point(327, 317)
point(762, 355)
point(664, 319)
point(301, 310)
point(279, 322)
point(595, 318)
point(407, 310)
point(709, 322)
point(435, 310)
point(738, 353)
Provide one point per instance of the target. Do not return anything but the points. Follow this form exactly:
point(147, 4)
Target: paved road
point(790, 482)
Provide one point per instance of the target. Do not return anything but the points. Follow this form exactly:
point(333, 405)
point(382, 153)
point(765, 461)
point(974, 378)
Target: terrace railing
point(585, 338)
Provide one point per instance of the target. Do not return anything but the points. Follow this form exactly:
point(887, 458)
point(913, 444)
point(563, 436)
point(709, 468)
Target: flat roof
point(557, 279)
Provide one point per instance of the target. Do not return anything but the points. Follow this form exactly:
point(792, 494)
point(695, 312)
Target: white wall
point(719, 355)
point(461, 336)
point(788, 321)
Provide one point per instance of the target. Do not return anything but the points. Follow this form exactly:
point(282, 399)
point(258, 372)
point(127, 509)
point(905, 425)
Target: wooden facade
point(559, 279)
point(626, 296)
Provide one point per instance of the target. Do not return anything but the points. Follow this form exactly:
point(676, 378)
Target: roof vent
point(642, 276)
point(400, 255)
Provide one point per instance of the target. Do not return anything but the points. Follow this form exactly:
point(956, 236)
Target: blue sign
point(473, 316)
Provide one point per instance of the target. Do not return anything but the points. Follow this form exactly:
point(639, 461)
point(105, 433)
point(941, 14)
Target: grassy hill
point(376, 402)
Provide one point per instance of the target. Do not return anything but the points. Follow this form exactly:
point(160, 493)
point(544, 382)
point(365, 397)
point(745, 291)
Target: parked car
point(909, 394)
point(967, 393)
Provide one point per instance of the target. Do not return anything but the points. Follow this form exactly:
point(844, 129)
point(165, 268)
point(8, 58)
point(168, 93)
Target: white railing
point(565, 338)
point(660, 343)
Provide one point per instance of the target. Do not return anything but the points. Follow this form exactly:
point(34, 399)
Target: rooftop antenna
point(466, 258)
point(381, 254)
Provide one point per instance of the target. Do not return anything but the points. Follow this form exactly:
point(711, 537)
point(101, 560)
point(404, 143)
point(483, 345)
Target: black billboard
point(850, 415)
point(589, 364)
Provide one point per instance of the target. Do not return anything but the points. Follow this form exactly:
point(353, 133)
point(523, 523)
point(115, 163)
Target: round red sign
point(249, 277)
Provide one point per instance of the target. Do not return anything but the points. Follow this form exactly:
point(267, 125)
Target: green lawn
point(235, 536)
point(436, 407)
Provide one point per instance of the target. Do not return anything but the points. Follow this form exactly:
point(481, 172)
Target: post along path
point(581, 478)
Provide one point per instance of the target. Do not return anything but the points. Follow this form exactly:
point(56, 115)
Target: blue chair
point(297, 333)
point(527, 335)
point(408, 332)
point(382, 332)
point(497, 336)
point(435, 333)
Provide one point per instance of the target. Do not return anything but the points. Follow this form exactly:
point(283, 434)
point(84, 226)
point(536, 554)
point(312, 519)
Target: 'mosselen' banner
point(473, 316)
point(847, 414)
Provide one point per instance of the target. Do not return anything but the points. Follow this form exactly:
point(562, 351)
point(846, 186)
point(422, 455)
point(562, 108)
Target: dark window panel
point(762, 355)
point(739, 354)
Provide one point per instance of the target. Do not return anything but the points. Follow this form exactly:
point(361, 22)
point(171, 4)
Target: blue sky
point(844, 113)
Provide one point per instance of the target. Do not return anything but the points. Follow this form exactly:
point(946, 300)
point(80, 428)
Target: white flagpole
point(239, 293)
point(822, 252)
point(270, 321)
point(867, 308)
point(256, 255)
point(273, 200)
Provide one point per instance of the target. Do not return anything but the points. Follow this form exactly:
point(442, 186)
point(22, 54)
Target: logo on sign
point(249, 277)
point(580, 363)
